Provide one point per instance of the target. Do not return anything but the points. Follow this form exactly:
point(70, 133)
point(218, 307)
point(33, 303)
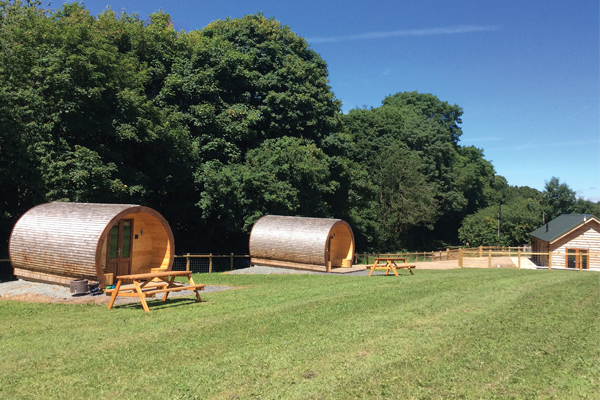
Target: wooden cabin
point(317, 244)
point(60, 242)
point(574, 240)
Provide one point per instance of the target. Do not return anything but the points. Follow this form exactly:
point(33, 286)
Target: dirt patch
point(449, 264)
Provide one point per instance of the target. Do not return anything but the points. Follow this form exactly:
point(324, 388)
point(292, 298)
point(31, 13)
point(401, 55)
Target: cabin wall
point(298, 242)
point(59, 239)
point(292, 239)
point(341, 245)
point(586, 236)
point(58, 242)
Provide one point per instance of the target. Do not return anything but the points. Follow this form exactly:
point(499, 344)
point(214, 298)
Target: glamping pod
point(61, 242)
point(317, 244)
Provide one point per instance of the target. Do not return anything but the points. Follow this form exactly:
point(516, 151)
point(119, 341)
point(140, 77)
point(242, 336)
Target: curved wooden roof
point(295, 239)
point(64, 238)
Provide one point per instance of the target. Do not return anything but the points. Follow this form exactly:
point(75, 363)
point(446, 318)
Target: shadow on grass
point(391, 274)
point(158, 304)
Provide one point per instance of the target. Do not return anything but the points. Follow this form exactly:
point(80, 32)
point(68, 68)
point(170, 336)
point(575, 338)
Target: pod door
point(118, 249)
point(340, 246)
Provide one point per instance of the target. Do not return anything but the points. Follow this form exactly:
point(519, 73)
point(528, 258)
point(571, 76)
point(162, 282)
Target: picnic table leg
point(372, 269)
point(195, 289)
point(142, 295)
point(393, 266)
point(410, 270)
point(114, 295)
point(169, 284)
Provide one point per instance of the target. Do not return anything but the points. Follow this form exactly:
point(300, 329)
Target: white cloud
point(577, 113)
point(451, 30)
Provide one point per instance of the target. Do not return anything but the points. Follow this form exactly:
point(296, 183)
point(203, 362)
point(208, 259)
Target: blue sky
point(526, 73)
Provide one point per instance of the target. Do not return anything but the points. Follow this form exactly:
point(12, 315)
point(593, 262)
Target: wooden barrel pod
point(317, 244)
point(60, 242)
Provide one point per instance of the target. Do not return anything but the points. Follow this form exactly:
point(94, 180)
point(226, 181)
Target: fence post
point(549, 261)
point(460, 257)
point(490, 258)
point(480, 251)
point(519, 255)
point(231, 263)
point(210, 263)
point(447, 254)
point(187, 263)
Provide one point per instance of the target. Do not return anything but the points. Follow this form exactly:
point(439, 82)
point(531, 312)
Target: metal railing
point(208, 263)
point(6, 271)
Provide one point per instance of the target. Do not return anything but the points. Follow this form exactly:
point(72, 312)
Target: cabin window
point(577, 258)
point(114, 241)
point(126, 239)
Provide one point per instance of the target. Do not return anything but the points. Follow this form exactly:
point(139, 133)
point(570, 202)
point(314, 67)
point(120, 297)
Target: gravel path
point(45, 293)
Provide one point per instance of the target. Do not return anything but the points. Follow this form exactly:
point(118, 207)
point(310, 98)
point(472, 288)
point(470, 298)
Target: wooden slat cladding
point(586, 237)
point(301, 240)
point(69, 239)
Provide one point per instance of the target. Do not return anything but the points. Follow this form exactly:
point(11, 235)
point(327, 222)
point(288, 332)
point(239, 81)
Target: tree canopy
point(217, 127)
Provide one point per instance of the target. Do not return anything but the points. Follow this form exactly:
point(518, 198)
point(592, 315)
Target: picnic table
point(150, 284)
point(390, 264)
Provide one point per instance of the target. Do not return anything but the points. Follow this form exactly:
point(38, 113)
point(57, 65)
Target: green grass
point(468, 334)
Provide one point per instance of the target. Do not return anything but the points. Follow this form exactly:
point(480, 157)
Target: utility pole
point(543, 218)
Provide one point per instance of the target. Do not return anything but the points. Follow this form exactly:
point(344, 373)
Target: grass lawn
point(468, 334)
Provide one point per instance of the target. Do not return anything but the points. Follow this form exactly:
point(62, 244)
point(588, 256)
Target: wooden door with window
point(577, 258)
point(119, 248)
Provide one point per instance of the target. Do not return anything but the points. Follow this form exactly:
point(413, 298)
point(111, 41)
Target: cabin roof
point(560, 226)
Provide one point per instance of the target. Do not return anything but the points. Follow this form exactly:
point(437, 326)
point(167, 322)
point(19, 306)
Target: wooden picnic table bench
point(390, 264)
point(149, 284)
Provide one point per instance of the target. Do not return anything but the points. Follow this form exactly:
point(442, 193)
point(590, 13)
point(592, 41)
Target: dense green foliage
point(217, 127)
point(451, 334)
point(522, 210)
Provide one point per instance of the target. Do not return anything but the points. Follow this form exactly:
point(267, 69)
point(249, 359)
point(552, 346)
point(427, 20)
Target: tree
point(558, 199)
point(429, 129)
point(519, 219)
point(404, 197)
point(284, 176)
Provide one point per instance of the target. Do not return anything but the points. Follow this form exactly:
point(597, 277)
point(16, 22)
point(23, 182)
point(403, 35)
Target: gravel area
point(45, 293)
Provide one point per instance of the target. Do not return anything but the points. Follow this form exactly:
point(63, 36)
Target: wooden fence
point(442, 255)
point(208, 263)
point(483, 256)
point(200, 263)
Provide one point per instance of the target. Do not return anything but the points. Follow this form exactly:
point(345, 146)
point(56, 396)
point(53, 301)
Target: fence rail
point(209, 263)
point(443, 255)
point(197, 263)
point(539, 259)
